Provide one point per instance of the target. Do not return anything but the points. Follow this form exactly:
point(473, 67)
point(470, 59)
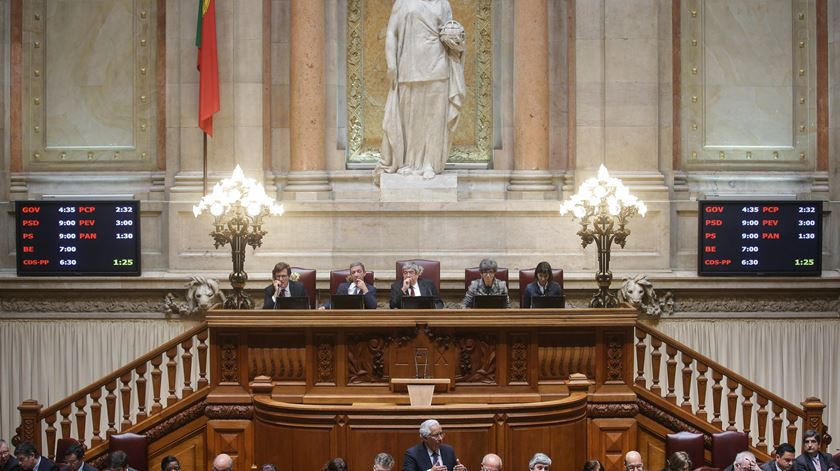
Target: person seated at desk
point(355, 285)
point(281, 286)
point(487, 284)
point(543, 284)
point(412, 285)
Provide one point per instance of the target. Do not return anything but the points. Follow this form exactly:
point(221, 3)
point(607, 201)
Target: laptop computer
point(347, 301)
point(490, 301)
point(417, 302)
point(292, 302)
point(544, 302)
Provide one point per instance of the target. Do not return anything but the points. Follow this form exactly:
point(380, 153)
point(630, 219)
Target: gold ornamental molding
point(367, 86)
point(88, 83)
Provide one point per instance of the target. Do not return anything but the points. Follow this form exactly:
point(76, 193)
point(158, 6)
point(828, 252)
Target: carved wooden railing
point(125, 393)
point(728, 389)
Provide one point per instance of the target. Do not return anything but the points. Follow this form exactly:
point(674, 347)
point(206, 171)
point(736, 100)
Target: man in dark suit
point(31, 460)
point(74, 457)
point(812, 459)
point(7, 461)
point(412, 285)
point(431, 454)
point(782, 459)
point(281, 286)
point(355, 285)
point(543, 285)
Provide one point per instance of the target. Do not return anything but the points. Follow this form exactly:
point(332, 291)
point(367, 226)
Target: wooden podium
point(420, 390)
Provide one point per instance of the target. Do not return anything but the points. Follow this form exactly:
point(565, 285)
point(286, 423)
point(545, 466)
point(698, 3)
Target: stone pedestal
point(413, 188)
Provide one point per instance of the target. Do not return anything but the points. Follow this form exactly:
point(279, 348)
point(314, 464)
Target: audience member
point(679, 461)
point(811, 459)
point(487, 284)
point(383, 462)
point(491, 462)
point(118, 461)
point(30, 460)
point(591, 465)
point(412, 285)
point(540, 462)
point(782, 460)
point(223, 462)
point(543, 285)
point(7, 461)
point(170, 463)
point(356, 285)
point(74, 457)
point(335, 464)
point(633, 461)
point(269, 467)
point(744, 461)
point(431, 454)
point(281, 286)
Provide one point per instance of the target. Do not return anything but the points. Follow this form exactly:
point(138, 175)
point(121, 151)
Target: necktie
point(817, 463)
point(283, 293)
point(411, 293)
point(435, 457)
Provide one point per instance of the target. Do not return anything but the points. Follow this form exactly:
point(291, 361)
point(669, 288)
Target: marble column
point(307, 109)
point(531, 179)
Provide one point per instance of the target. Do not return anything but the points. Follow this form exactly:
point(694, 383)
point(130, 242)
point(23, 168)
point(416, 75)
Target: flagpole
point(204, 159)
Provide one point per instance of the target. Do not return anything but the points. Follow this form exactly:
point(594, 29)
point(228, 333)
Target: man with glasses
point(74, 457)
point(491, 462)
point(383, 462)
point(281, 286)
point(7, 461)
point(487, 284)
point(633, 461)
point(431, 454)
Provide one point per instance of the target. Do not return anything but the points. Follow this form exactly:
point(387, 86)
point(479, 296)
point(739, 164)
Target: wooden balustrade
point(739, 394)
point(125, 394)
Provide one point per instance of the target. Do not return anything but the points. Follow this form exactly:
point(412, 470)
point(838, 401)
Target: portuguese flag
point(208, 65)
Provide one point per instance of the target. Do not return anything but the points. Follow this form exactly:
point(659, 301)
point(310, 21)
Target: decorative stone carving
point(61, 303)
point(638, 291)
point(755, 304)
point(612, 410)
point(203, 294)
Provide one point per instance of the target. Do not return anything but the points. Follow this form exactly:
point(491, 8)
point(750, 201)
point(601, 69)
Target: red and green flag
point(208, 65)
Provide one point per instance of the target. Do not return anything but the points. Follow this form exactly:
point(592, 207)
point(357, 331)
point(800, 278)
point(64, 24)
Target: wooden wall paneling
point(234, 437)
point(188, 444)
point(471, 442)
point(293, 448)
point(565, 352)
point(564, 443)
point(610, 439)
point(280, 356)
point(652, 449)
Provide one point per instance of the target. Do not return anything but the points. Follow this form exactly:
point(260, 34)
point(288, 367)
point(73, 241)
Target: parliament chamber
point(668, 166)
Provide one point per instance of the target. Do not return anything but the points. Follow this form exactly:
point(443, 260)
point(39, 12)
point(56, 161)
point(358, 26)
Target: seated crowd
point(431, 454)
point(411, 284)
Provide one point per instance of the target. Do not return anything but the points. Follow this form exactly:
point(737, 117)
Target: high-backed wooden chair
point(307, 277)
point(136, 448)
point(61, 447)
point(431, 270)
point(474, 273)
point(691, 443)
point(725, 445)
point(338, 277)
point(526, 276)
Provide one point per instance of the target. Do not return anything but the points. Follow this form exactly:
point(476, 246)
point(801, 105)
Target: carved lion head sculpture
point(203, 294)
point(638, 291)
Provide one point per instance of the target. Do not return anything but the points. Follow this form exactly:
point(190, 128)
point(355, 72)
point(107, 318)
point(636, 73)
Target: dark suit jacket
point(803, 462)
point(417, 458)
point(295, 289)
point(553, 289)
point(11, 465)
point(769, 466)
point(86, 467)
point(47, 464)
point(427, 288)
point(370, 297)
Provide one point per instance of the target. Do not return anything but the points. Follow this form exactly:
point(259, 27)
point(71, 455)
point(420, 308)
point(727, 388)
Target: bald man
point(633, 461)
point(491, 462)
point(222, 462)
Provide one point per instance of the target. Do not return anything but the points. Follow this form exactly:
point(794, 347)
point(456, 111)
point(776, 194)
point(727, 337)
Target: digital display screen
point(85, 238)
point(760, 238)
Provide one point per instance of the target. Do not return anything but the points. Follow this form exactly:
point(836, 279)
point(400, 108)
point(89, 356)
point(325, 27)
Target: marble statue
point(424, 50)
point(638, 291)
point(203, 294)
